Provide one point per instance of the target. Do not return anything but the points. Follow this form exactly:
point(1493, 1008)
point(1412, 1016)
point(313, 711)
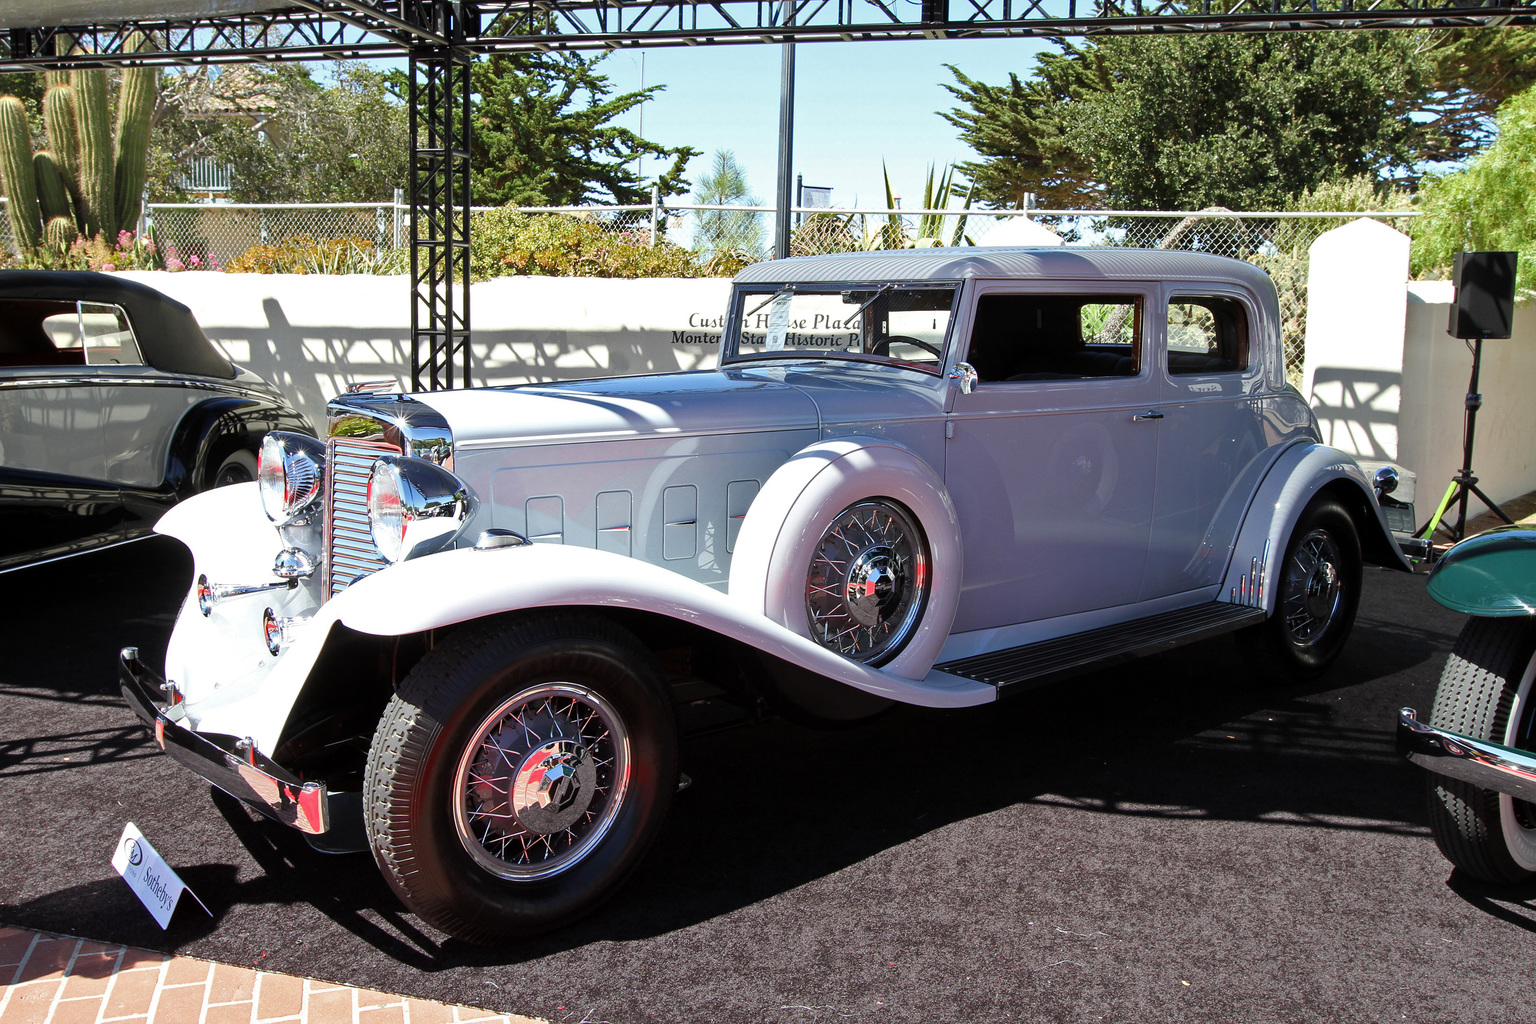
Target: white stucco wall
point(1436, 371)
point(312, 335)
point(1386, 380)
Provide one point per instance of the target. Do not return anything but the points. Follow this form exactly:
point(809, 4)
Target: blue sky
point(856, 104)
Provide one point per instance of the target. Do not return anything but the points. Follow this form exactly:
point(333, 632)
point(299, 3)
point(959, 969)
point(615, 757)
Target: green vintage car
point(1479, 744)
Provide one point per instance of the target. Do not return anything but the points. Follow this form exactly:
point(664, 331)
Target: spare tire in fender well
point(805, 496)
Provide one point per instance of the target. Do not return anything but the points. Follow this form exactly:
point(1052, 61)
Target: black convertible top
point(167, 332)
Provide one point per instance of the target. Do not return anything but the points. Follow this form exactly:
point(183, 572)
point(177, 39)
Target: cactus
point(136, 102)
point(60, 233)
point(64, 138)
point(84, 182)
point(99, 213)
point(16, 171)
point(52, 196)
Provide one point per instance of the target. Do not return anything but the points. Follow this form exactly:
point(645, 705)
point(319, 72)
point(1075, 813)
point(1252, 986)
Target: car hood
point(680, 404)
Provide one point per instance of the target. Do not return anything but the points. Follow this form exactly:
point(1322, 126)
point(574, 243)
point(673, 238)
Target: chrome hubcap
point(867, 582)
point(541, 781)
point(1312, 592)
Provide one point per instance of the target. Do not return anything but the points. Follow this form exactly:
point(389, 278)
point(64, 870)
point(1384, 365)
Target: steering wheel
point(883, 347)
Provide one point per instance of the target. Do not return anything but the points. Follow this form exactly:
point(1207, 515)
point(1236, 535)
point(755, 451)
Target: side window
point(1206, 335)
point(1056, 337)
point(100, 330)
point(59, 332)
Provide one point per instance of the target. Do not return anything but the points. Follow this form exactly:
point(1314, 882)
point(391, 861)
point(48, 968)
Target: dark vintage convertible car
point(1479, 743)
point(113, 406)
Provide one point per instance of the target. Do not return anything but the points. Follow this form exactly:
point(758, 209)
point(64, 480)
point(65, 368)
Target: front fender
point(457, 586)
point(1492, 574)
point(1302, 472)
point(232, 685)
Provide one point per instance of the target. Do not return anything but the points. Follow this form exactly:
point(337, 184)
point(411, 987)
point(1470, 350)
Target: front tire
point(1317, 592)
point(519, 774)
point(1485, 693)
point(238, 467)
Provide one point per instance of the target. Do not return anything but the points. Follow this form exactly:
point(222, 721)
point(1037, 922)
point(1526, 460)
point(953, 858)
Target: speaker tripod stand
point(1464, 484)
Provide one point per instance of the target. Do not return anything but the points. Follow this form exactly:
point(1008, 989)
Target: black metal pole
point(786, 137)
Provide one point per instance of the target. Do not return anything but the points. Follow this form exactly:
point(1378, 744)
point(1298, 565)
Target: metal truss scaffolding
point(440, 38)
point(440, 200)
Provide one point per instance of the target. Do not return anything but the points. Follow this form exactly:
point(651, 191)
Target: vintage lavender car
point(933, 476)
point(113, 406)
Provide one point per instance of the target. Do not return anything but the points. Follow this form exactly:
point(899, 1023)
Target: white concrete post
point(1357, 301)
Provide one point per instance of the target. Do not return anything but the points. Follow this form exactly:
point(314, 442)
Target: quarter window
point(1206, 335)
point(44, 332)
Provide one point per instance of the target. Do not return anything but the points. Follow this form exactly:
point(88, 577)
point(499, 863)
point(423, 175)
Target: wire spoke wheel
point(541, 781)
point(519, 773)
point(1311, 588)
point(868, 582)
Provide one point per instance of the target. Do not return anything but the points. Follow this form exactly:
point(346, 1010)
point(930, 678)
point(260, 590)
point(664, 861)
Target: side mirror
point(964, 374)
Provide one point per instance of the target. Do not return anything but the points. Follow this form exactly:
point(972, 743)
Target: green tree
point(1234, 120)
point(544, 135)
point(1475, 71)
point(348, 141)
point(720, 231)
point(1017, 130)
point(1486, 206)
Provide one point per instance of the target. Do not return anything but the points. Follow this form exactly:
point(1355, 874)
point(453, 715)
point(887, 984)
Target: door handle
point(1150, 414)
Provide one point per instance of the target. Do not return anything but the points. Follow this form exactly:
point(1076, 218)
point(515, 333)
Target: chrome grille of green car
point(350, 554)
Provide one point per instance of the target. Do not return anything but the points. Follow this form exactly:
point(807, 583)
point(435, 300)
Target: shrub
point(305, 254)
point(130, 252)
point(1488, 205)
point(504, 242)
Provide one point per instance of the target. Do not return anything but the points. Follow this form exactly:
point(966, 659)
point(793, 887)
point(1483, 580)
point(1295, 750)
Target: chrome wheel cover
point(1312, 588)
point(1517, 818)
point(868, 581)
point(541, 781)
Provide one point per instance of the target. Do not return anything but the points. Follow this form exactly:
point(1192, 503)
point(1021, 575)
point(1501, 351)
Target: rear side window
point(59, 332)
point(1206, 335)
point(1055, 337)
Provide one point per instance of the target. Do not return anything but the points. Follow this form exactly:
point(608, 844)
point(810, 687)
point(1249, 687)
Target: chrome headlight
point(290, 474)
point(414, 507)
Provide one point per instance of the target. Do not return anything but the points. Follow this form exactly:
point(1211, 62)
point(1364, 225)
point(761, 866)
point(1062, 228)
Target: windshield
point(907, 324)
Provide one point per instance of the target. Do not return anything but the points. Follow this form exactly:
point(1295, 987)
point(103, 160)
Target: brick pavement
point(55, 979)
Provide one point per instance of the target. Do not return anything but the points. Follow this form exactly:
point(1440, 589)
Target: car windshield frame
point(760, 303)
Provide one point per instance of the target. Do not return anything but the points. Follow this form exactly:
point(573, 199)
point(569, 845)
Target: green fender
point(1492, 574)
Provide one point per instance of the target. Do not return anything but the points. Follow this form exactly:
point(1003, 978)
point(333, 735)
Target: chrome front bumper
point(1488, 765)
point(227, 762)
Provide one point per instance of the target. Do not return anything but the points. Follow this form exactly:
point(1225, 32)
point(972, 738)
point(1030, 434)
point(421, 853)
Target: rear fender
point(1492, 574)
point(1299, 475)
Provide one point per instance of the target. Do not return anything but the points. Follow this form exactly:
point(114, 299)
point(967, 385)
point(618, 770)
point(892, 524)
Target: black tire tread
point(411, 724)
point(1474, 698)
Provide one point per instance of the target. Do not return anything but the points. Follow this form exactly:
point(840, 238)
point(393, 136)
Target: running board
point(1044, 662)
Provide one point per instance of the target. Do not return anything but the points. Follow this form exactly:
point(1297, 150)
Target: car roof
point(1054, 262)
point(166, 331)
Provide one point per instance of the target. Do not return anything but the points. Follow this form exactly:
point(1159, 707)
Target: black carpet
point(1162, 842)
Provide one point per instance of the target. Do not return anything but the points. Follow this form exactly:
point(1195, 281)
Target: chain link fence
point(1278, 242)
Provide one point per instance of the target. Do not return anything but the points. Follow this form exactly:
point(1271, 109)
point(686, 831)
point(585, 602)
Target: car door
point(1050, 459)
point(1213, 444)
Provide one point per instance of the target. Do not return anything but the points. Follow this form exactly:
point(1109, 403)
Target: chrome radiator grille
point(350, 554)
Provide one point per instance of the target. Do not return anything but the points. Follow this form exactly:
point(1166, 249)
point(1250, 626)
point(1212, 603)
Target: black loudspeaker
point(1485, 295)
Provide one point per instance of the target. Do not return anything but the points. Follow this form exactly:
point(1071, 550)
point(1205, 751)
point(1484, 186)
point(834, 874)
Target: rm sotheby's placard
point(151, 879)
